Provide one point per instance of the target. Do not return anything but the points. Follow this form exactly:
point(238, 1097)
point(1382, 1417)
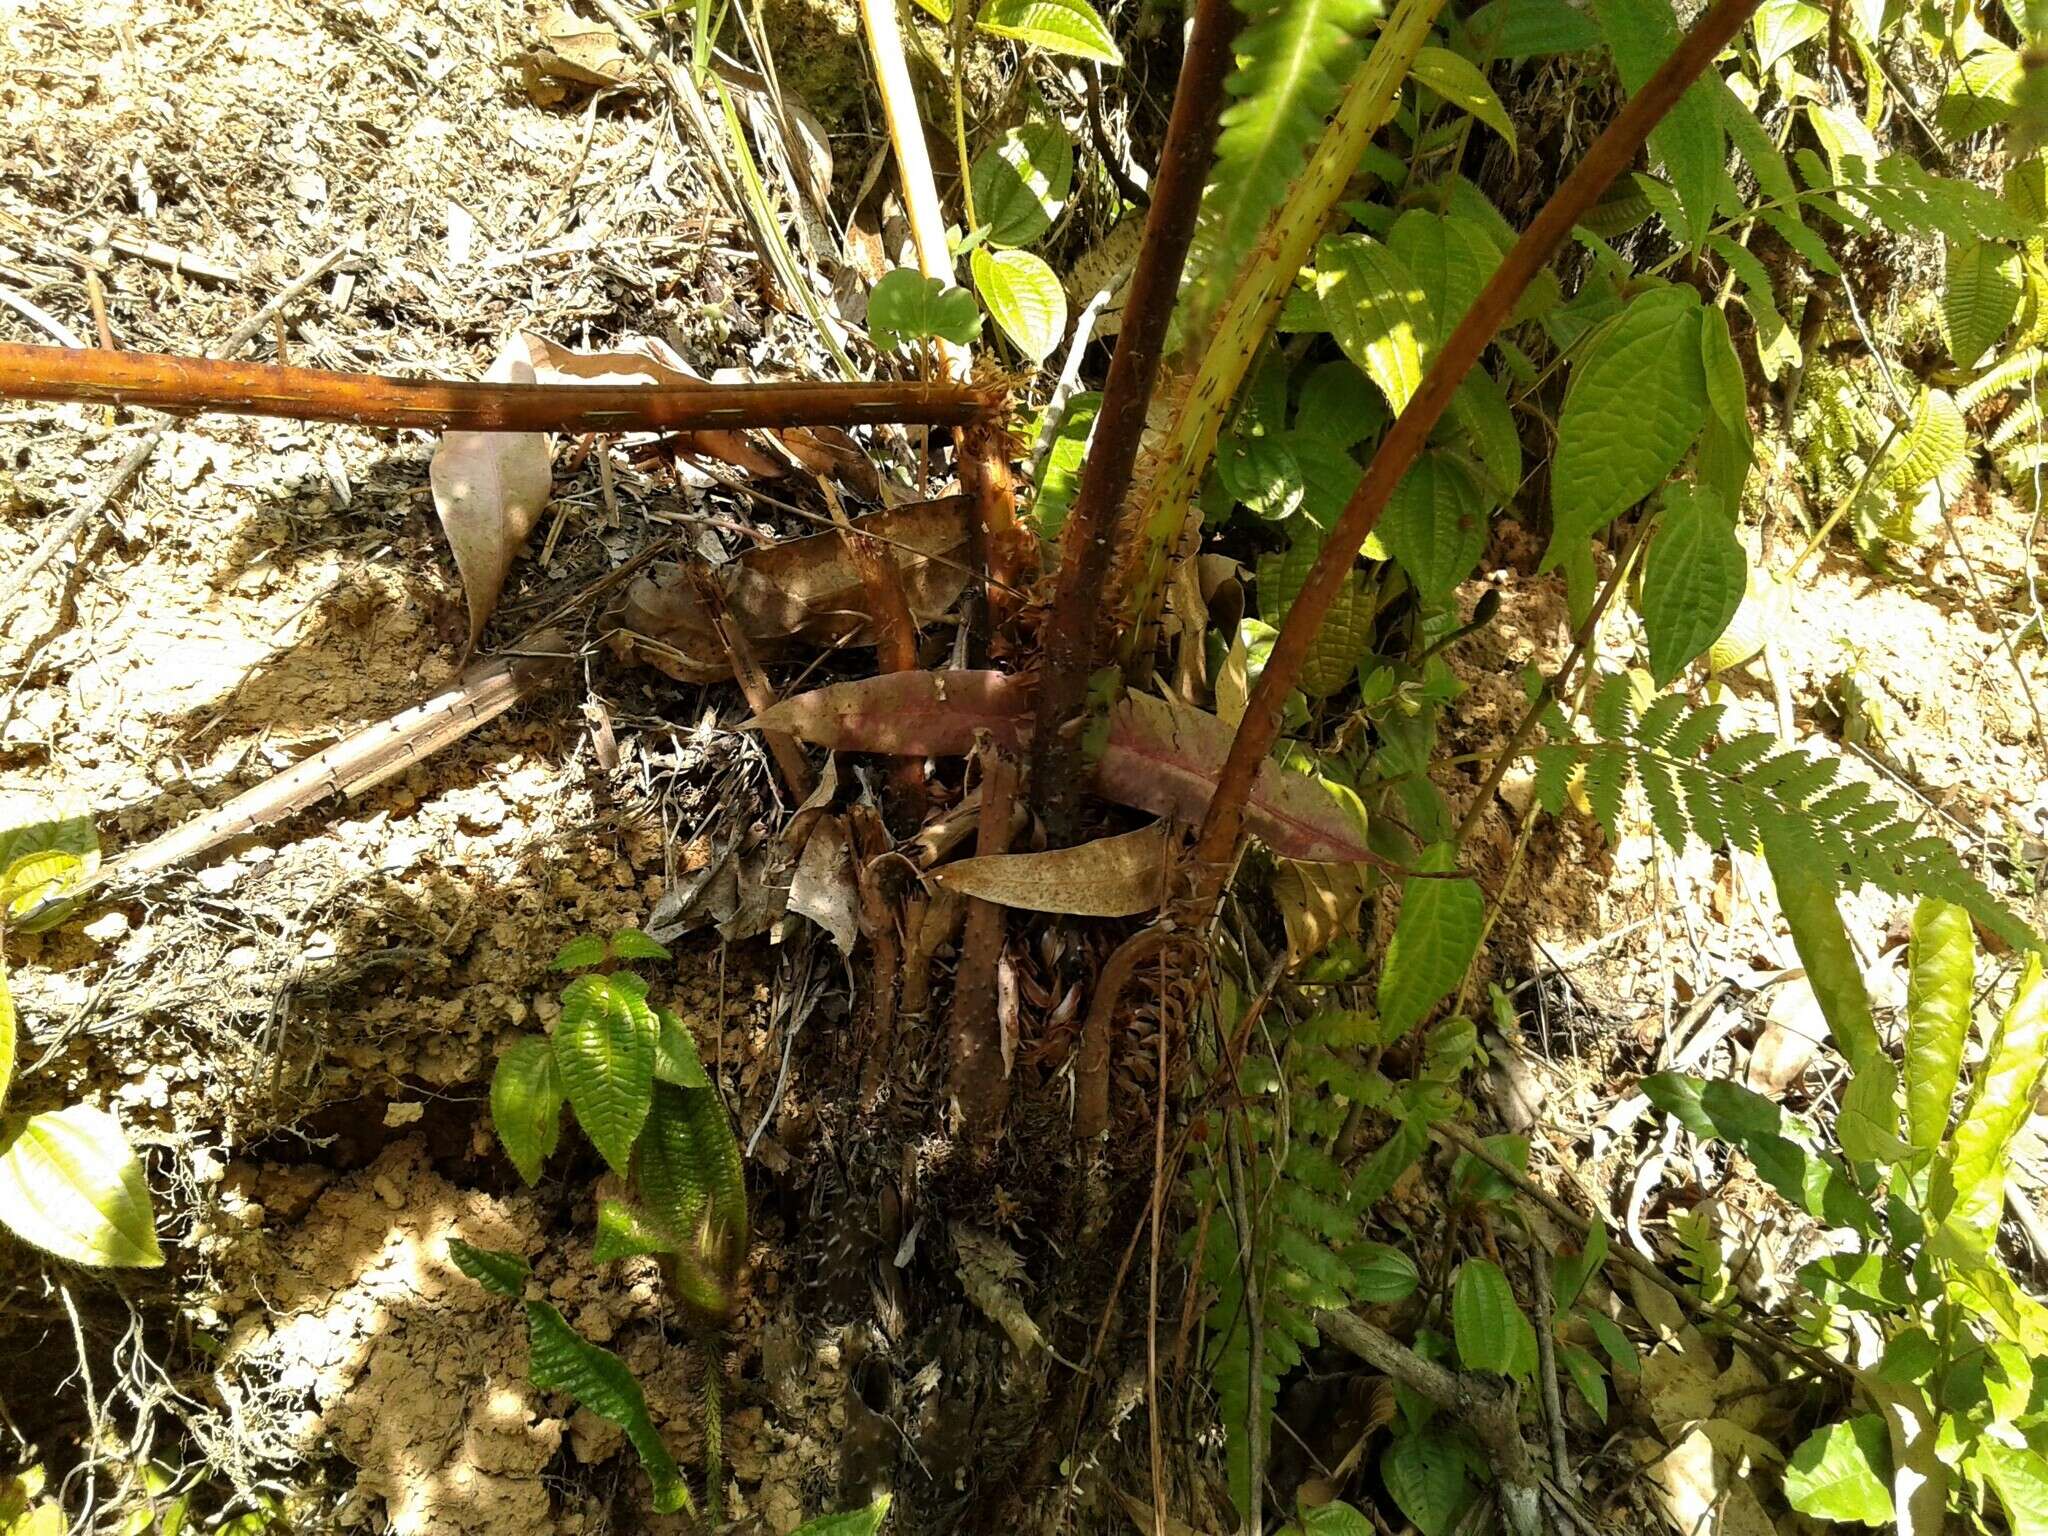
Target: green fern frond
point(1748, 790)
point(1294, 58)
point(2021, 423)
point(2013, 373)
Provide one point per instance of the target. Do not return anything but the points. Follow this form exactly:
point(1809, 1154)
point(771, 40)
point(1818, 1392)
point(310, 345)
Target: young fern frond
point(2014, 373)
point(1294, 58)
point(1747, 790)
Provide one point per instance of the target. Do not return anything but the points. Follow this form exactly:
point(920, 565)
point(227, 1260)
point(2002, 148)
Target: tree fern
point(1294, 58)
point(1748, 789)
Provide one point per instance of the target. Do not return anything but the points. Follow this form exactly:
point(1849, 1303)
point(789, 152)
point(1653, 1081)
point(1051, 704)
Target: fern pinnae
point(1294, 59)
point(2012, 373)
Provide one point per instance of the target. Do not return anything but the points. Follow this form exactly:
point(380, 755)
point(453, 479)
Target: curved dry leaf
point(800, 592)
point(1317, 902)
point(489, 490)
point(823, 887)
point(931, 714)
point(1117, 876)
point(1700, 1494)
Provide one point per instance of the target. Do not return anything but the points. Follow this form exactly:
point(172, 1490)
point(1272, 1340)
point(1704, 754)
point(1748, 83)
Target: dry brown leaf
point(579, 52)
point(1794, 1031)
point(824, 888)
point(1700, 1494)
point(1110, 877)
point(799, 593)
point(930, 714)
point(1317, 902)
point(1149, 1524)
point(489, 490)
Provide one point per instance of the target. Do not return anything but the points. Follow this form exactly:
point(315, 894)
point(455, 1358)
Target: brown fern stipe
point(192, 384)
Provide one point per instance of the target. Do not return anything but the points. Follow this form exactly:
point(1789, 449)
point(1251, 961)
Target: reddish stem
point(1073, 630)
point(1611, 154)
point(316, 394)
point(980, 1088)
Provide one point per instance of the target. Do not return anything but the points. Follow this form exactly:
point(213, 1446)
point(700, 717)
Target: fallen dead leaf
point(933, 714)
point(578, 52)
point(1317, 902)
point(489, 490)
point(1699, 1491)
point(1794, 1031)
point(1117, 876)
point(823, 887)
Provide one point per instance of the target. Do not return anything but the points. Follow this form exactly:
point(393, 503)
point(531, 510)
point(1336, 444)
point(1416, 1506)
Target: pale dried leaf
point(1794, 1030)
point(1117, 876)
point(1698, 1493)
point(934, 714)
point(489, 490)
point(823, 887)
point(585, 52)
point(1317, 902)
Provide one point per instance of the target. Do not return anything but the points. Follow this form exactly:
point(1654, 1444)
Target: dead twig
point(132, 462)
point(190, 384)
point(980, 1086)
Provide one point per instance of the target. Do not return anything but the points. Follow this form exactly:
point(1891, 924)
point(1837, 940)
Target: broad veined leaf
point(1425, 1472)
point(1527, 29)
point(1571, 1270)
point(562, 1360)
point(1335, 1518)
point(1463, 84)
point(1781, 26)
point(1934, 446)
point(1263, 473)
point(526, 1104)
point(1021, 182)
point(1339, 405)
point(1588, 1375)
point(1328, 476)
point(1637, 400)
point(1377, 311)
point(1642, 34)
point(632, 944)
point(1116, 876)
point(1843, 1472)
point(1057, 26)
point(1434, 940)
point(1851, 148)
point(1449, 258)
point(1060, 476)
point(1484, 1317)
point(1481, 411)
point(604, 1049)
point(71, 1185)
point(1380, 1273)
point(1435, 525)
point(2019, 1477)
point(1021, 292)
point(1342, 640)
point(1941, 962)
point(675, 1053)
point(579, 954)
point(1982, 93)
point(1806, 895)
point(2001, 1098)
point(1980, 299)
point(502, 1274)
point(853, 1522)
point(623, 1232)
point(7, 1033)
point(906, 306)
point(1868, 1124)
point(1694, 574)
point(41, 863)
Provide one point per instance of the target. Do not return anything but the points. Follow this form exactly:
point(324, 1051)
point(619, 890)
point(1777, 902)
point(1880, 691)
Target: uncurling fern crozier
point(1752, 790)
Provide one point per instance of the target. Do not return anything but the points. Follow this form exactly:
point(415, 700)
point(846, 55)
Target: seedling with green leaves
point(630, 1073)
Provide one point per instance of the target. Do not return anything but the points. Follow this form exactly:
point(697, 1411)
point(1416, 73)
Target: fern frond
point(2021, 423)
point(1294, 58)
point(1747, 790)
point(2010, 374)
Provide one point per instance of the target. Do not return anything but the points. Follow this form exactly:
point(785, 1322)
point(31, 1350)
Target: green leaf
point(1868, 1125)
point(1339, 405)
point(1463, 84)
point(1806, 895)
point(605, 1044)
point(7, 1033)
point(1982, 92)
point(1021, 182)
point(40, 863)
point(562, 1360)
point(1425, 1472)
point(1571, 1269)
point(1527, 29)
point(2020, 1479)
point(526, 1104)
point(1387, 1162)
point(1060, 476)
point(675, 1053)
point(1335, 1518)
point(1435, 525)
point(632, 944)
point(1342, 640)
point(579, 953)
point(854, 1522)
point(1377, 311)
point(1637, 400)
point(1642, 34)
point(1022, 295)
point(71, 1185)
point(691, 1179)
point(1843, 1472)
point(1293, 61)
point(1980, 299)
point(501, 1273)
point(1434, 940)
point(1262, 474)
point(1588, 1375)
point(623, 1232)
point(1057, 26)
point(1328, 476)
point(1484, 1317)
point(1380, 1273)
point(1781, 26)
point(1618, 1347)
point(1694, 574)
point(1449, 258)
point(2001, 1098)
point(907, 307)
point(1941, 963)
